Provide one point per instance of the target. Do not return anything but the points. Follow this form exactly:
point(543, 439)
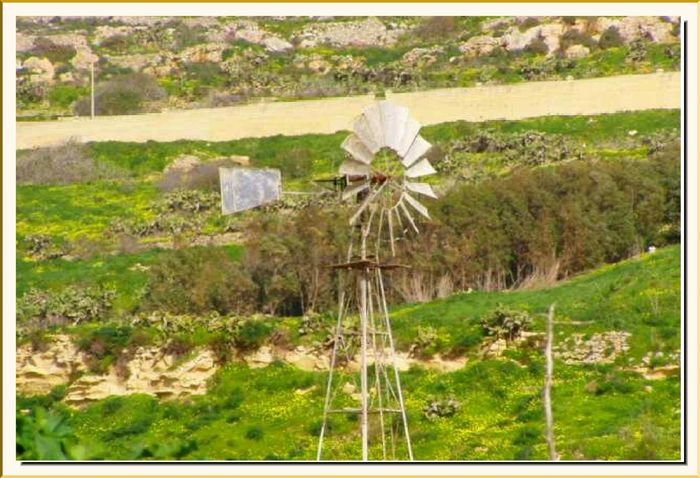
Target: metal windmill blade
point(386, 126)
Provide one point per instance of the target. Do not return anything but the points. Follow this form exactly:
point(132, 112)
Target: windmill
point(382, 175)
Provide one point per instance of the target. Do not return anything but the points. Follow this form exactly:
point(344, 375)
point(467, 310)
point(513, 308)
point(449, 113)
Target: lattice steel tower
point(386, 155)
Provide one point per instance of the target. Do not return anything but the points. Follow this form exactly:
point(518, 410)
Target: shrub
point(441, 408)
point(63, 164)
point(252, 334)
point(117, 43)
point(198, 280)
point(203, 175)
point(436, 28)
point(254, 433)
point(610, 38)
point(537, 46)
point(576, 37)
point(44, 47)
point(638, 51)
point(528, 23)
point(42, 247)
point(65, 95)
point(103, 346)
point(73, 305)
point(506, 324)
point(123, 94)
point(45, 435)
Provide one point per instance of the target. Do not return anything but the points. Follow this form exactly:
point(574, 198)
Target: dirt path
point(511, 102)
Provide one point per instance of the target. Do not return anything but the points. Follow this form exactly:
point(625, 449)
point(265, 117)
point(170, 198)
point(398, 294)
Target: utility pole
point(548, 385)
point(92, 90)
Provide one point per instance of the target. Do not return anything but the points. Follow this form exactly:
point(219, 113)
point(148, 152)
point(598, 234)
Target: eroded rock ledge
point(150, 370)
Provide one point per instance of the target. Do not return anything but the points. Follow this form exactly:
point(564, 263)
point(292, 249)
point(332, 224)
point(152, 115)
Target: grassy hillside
point(602, 411)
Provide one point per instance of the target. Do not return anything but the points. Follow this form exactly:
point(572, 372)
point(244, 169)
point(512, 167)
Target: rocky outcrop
point(655, 29)
point(251, 32)
point(40, 371)
point(369, 32)
point(204, 53)
point(550, 34)
point(276, 44)
point(149, 371)
point(575, 52)
point(422, 56)
point(481, 45)
point(602, 347)
point(40, 70)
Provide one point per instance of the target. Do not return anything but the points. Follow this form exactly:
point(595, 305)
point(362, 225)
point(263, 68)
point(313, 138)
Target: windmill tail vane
point(385, 161)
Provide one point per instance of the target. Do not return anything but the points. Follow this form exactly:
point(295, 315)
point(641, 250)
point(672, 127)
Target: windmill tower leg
point(392, 352)
point(363, 365)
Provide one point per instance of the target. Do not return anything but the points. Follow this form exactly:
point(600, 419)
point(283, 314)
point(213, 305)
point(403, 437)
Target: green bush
point(506, 324)
point(123, 94)
point(537, 46)
point(44, 47)
point(72, 305)
point(103, 346)
point(64, 96)
point(251, 334)
point(610, 38)
point(198, 280)
point(254, 433)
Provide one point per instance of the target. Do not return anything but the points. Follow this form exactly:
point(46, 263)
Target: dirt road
point(518, 101)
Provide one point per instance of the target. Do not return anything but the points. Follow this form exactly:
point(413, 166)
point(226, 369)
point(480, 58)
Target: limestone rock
point(633, 28)
point(369, 32)
point(496, 24)
point(204, 53)
point(183, 163)
point(39, 372)
point(151, 372)
point(422, 56)
point(83, 59)
point(306, 359)
point(550, 33)
point(23, 42)
point(574, 52)
point(602, 347)
point(495, 348)
point(480, 46)
point(260, 358)
point(40, 70)
point(276, 44)
point(248, 31)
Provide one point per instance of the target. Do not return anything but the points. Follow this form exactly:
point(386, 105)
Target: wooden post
point(548, 386)
point(92, 90)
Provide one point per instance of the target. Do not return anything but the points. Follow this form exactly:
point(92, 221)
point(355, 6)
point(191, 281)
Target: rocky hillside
point(153, 63)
